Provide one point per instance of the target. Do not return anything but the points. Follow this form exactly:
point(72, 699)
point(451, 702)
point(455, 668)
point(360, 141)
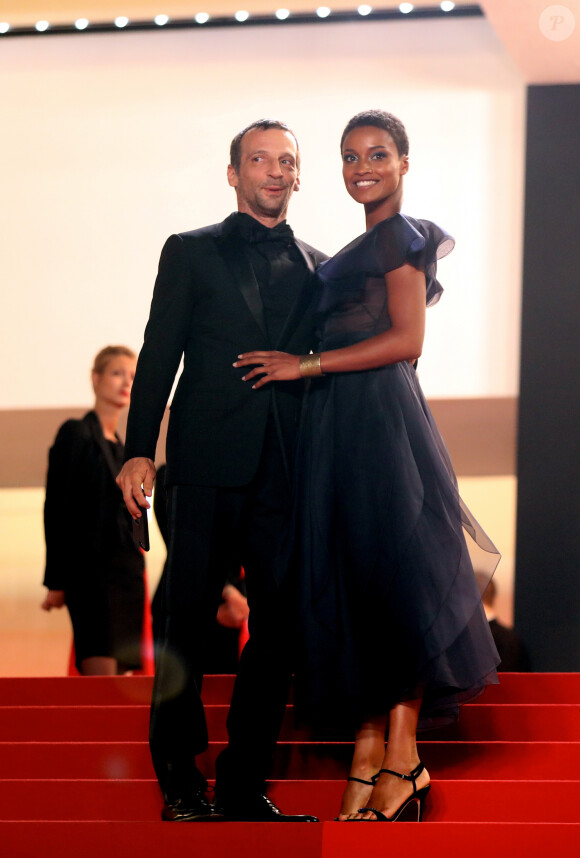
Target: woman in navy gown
point(392, 631)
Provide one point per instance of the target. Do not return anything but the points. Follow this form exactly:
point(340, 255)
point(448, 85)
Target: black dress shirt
point(278, 267)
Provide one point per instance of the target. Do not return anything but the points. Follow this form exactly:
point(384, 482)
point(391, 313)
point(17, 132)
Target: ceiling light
point(242, 16)
point(161, 20)
point(405, 8)
point(201, 18)
point(447, 5)
point(364, 9)
point(282, 14)
point(4, 27)
point(323, 11)
point(41, 26)
point(121, 21)
point(82, 23)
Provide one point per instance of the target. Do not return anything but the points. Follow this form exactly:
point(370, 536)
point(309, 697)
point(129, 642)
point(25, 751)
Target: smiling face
point(113, 385)
point(267, 175)
point(372, 170)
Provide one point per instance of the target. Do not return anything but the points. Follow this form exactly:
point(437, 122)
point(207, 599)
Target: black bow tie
point(281, 232)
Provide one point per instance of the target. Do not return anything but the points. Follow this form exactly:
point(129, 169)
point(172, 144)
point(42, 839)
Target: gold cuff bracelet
point(310, 365)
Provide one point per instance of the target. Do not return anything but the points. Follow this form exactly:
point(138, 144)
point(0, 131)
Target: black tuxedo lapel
point(307, 258)
point(231, 249)
point(302, 302)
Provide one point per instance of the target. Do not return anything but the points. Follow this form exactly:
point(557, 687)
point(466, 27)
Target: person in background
point(92, 564)
point(512, 651)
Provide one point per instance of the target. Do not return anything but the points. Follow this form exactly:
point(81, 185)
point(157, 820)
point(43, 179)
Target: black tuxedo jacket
point(207, 308)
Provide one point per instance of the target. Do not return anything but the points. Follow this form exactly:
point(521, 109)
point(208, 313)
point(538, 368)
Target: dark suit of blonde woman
point(90, 553)
point(222, 290)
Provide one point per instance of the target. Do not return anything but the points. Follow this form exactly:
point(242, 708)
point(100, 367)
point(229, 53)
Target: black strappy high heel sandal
point(370, 783)
point(419, 796)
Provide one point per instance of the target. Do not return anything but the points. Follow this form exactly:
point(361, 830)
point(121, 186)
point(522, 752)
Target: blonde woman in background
point(92, 564)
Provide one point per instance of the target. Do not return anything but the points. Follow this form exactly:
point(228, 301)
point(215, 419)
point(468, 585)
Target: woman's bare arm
point(402, 342)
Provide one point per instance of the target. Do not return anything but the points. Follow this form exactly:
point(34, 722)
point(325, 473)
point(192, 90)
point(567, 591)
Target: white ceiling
point(543, 38)
point(531, 30)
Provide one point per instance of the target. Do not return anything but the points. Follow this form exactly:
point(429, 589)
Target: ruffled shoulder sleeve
point(387, 246)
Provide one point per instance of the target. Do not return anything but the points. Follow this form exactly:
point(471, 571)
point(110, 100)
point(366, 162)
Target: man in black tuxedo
point(241, 285)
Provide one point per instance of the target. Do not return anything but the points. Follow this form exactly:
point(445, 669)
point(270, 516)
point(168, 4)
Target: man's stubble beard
point(271, 208)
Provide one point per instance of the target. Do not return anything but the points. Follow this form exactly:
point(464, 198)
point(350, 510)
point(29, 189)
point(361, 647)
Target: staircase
point(76, 778)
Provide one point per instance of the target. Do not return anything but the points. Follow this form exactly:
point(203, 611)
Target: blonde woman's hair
point(107, 354)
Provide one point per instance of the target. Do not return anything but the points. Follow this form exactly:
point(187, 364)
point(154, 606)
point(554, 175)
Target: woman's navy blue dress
point(389, 605)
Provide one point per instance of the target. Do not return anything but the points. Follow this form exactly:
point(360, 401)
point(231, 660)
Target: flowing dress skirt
point(389, 605)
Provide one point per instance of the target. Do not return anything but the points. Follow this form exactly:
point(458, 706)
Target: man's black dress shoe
point(197, 808)
point(257, 808)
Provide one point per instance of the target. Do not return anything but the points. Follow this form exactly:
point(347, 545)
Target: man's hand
point(53, 599)
point(234, 609)
point(135, 473)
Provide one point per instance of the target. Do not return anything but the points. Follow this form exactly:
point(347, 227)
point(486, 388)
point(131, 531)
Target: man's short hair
point(261, 125)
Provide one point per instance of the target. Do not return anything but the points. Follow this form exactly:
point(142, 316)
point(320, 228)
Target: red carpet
point(76, 778)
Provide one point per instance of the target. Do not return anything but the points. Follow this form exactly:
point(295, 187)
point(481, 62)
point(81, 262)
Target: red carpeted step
point(76, 690)
point(75, 760)
point(534, 688)
point(124, 690)
point(517, 722)
point(457, 760)
point(313, 760)
point(97, 690)
point(448, 840)
point(74, 723)
point(492, 722)
point(536, 760)
point(166, 840)
point(499, 794)
point(448, 801)
point(255, 840)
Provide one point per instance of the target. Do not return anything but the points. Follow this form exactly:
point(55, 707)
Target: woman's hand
point(54, 599)
point(273, 366)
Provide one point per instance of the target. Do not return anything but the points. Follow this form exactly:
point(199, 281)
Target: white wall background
point(109, 143)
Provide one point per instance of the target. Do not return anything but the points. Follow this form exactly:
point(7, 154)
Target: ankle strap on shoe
point(361, 781)
point(412, 776)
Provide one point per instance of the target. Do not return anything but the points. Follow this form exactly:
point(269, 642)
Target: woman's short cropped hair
point(379, 119)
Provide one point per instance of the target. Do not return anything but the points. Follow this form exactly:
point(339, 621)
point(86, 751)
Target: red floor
point(76, 778)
